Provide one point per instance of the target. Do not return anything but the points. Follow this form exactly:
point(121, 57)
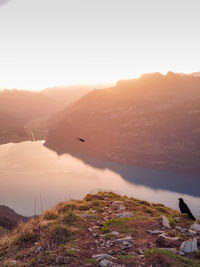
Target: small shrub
point(50, 215)
point(59, 233)
point(127, 259)
point(69, 218)
point(118, 224)
point(67, 207)
point(25, 236)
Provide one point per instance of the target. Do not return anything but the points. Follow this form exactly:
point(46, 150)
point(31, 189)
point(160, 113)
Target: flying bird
point(80, 139)
point(184, 209)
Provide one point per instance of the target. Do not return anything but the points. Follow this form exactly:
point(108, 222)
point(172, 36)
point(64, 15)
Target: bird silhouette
point(80, 139)
point(184, 209)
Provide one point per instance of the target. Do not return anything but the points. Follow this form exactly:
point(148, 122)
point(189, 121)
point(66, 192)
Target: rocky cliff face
point(153, 121)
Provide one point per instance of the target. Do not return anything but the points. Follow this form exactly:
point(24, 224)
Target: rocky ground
point(104, 230)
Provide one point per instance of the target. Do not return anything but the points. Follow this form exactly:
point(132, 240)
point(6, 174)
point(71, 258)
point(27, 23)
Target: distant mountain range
point(17, 108)
point(153, 121)
point(68, 94)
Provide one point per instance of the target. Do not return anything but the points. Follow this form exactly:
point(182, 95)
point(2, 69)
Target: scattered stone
point(62, 260)
point(126, 242)
point(155, 232)
point(116, 202)
point(195, 227)
point(114, 233)
point(124, 215)
point(165, 222)
point(165, 241)
point(188, 246)
point(100, 257)
point(191, 233)
point(38, 250)
point(105, 263)
point(90, 229)
point(122, 207)
point(180, 229)
point(127, 239)
point(13, 262)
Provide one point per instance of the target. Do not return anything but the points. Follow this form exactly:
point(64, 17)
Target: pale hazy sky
point(52, 42)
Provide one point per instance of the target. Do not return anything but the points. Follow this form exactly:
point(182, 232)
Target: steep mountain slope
point(152, 121)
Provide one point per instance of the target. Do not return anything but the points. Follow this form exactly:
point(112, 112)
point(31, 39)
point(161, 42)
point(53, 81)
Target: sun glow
point(47, 43)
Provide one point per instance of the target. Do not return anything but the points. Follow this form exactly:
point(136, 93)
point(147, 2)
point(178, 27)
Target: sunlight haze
point(47, 43)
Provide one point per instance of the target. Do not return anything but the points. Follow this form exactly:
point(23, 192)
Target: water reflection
point(28, 170)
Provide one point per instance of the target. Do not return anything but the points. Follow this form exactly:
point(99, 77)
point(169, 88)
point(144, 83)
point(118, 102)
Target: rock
point(12, 263)
point(38, 250)
point(124, 215)
point(105, 263)
point(165, 241)
point(114, 233)
point(165, 222)
point(127, 239)
point(191, 233)
point(90, 229)
point(122, 207)
point(155, 232)
point(100, 257)
point(126, 242)
point(188, 246)
point(172, 250)
point(116, 202)
point(62, 260)
point(195, 227)
point(180, 229)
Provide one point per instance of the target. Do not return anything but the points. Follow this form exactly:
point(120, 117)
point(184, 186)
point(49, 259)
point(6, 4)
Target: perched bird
point(80, 139)
point(184, 209)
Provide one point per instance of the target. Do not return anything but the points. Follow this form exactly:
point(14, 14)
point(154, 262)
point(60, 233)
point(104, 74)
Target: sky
point(56, 42)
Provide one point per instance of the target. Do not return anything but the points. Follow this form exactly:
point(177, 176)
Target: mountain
point(11, 129)
point(196, 74)
point(153, 121)
point(17, 108)
point(9, 219)
point(68, 94)
point(27, 105)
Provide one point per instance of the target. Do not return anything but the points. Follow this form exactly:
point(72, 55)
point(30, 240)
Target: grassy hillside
point(100, 229)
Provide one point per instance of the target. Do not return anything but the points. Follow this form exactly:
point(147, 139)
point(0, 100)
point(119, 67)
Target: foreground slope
point(101, 230)
point(153, 121)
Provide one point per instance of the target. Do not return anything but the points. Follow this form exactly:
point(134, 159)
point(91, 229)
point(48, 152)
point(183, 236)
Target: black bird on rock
point(184, 209)
point(80, 139)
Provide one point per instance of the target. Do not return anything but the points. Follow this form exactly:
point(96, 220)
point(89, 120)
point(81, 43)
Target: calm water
point(32, 176)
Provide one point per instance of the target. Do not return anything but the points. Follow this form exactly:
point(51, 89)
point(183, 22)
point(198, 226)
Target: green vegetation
point(59, 233)
point(69, 218)
point(50, 215)
point(178, 261)
point(120, 225)
point(127, 259)
point(92, 261)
